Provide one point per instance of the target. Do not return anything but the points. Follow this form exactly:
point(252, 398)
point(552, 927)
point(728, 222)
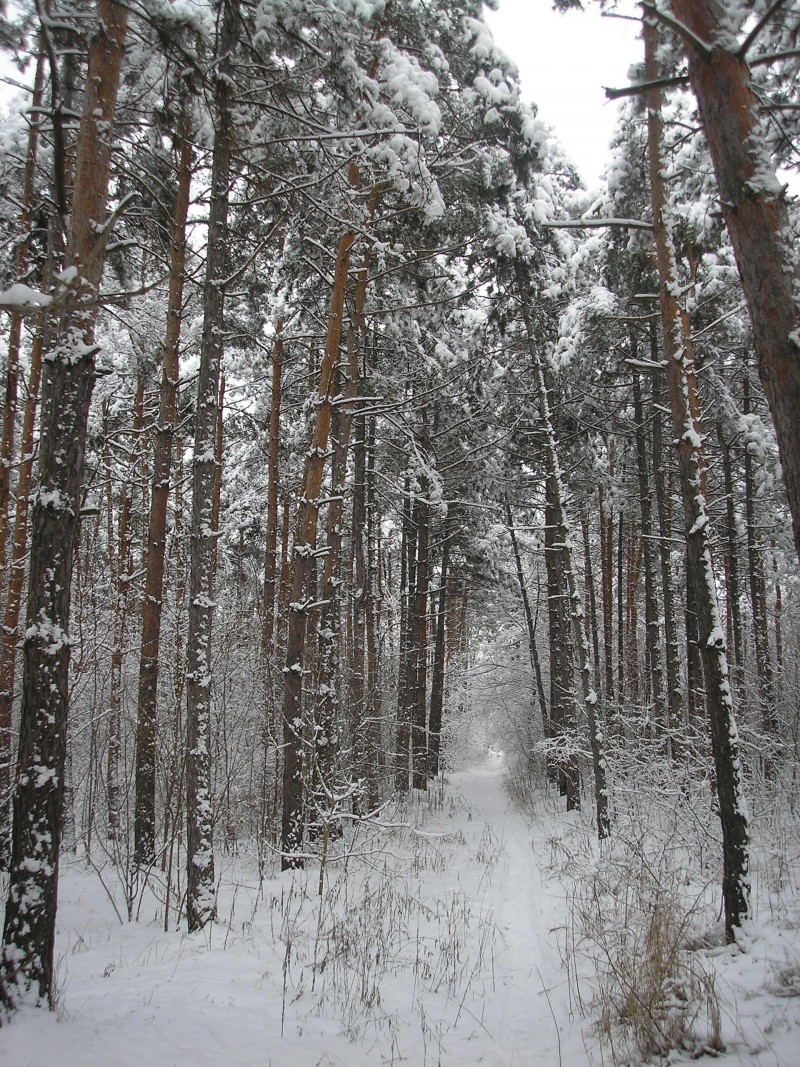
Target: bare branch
point(770, 57)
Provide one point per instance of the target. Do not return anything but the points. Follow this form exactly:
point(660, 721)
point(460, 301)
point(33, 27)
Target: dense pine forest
point(369, 489)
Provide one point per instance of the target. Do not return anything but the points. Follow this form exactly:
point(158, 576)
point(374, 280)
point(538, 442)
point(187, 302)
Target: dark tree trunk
point(273, 474)
point(201, 901)
point(406, 680)
point(26, 971)
point(590, 599)
point(147, 704)
point(562, 725)
point(622, 527)
point(10, 407)
point(607, 591)
point(122, 575)
point(675, 706)
point(652, 628)
point(9, 636)
point(757, 587)
point(439, 648)
point(731, 565)
point(556, 505)
point(327, 725)
point(419, 719)
point(530, 622)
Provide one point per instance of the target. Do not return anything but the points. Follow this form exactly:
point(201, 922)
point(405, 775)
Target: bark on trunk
point(201, 903)
point(9, 638)
point(273, 474)
point(754, 205)
point(147, 702)
point(21, 261)
point(419, 726)
point(564, 547)
point(731, 565)
point(26, 971)
point(675, 705)
point(607, 591)
point(757, 587)
point(122, 568)
point(405, 684)
point(305, 545)
point(652, 628)
point(685, 407)
point(440, 645)
point(530, 622)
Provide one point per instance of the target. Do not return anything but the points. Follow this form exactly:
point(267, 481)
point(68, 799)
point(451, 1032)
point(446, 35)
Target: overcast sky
point(564, 62)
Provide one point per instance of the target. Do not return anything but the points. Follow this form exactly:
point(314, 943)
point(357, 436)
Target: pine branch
point(596, 224)
point(759, 26)
point(677, 27)
point(643, 87)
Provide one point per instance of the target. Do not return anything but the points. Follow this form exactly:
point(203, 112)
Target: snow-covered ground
point(443, 936)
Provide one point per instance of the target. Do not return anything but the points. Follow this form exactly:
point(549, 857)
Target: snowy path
point(530, 1010)
point(449, 959)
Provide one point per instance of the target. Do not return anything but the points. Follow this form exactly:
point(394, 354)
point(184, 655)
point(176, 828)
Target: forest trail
point(530, 1009)
point(436, 945)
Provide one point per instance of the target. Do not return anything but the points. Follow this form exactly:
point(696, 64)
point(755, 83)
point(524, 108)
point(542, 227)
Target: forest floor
point(445, 935)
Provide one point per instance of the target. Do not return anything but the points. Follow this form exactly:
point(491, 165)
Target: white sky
point(564, 63)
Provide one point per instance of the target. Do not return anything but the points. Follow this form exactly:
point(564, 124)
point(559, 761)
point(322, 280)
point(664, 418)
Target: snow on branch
point(759, 26)
point(678, 27)
point(23, 300)
point(595, 224)
point(643, 87)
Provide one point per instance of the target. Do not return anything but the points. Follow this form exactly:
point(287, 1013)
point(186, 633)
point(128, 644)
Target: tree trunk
point(144, 826)
point(734, 627)
point(407, 665)
point(440, 645)
point(201, 901)
point(122, 573)
point(305, 545)
point(652, 628)
point(757, 586)
point(26, 971)
point(562, 725)
point(273, 473)
point(556, 496)
point(685, 407)
point(327, 725)
point(590, 598)
point(377, 752)
point(754, 205)
point(21, 261)
point(530, 623)
point(675, 706)
point(419, 719)
point(622, 528)
point(9, 638)
point(607, 590)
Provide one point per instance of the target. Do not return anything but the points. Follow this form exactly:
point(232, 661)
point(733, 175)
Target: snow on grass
point(448, 932)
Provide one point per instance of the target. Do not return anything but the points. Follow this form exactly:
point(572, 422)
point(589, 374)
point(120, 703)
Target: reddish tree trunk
point(687, 428)
point(754, 205)
point(305, 543)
